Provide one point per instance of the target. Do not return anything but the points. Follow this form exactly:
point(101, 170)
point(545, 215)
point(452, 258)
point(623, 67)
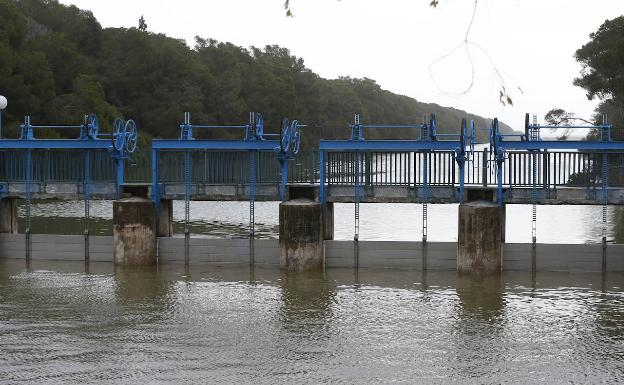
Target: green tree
point(12, 24)
point(142, 24)
point(87, 97)
point(602, 59)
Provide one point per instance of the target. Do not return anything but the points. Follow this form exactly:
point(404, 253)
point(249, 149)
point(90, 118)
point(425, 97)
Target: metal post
point(546, 170)
point(425, 195)
point(28, 169)
point(499, 179)
point(284, 167)
point(86, 186)
point(155, 192)
point(367, 165)
point(120, 174)
point(187, 197)
point(322, 177)
point(356, 232)
point(484, 167)
point(462, 163)
point(605, 201)
point(252, 204)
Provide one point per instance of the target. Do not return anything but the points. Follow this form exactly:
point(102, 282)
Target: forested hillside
point(57, 63)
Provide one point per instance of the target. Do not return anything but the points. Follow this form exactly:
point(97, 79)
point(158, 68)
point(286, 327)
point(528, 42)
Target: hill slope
point(57, 62)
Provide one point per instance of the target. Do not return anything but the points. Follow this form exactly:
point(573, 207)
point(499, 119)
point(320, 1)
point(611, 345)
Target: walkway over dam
point(564, 177)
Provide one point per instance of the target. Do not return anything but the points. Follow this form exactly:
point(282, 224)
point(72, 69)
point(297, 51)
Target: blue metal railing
point(556, 168)
point(55, 166)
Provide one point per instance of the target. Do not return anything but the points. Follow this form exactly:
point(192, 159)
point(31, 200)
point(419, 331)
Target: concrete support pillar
point(8, 216)
point(165, 218)
point(328, 222)
point(479, 247)
point(134, 235)
point(301, 235)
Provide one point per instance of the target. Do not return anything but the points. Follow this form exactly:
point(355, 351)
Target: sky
point(403, 44)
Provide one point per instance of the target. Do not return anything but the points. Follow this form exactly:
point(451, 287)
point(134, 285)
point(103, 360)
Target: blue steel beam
point(388, 145)
point(55, 144)
point(561, 145)
point(176, 144)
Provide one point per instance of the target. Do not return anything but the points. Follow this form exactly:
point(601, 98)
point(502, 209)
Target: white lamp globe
point(3, 102)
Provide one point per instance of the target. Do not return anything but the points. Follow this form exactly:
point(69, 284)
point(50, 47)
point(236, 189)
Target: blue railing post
point(462, 163)
point(322, 177)
point(499, 178)
point(284, 167)
point(154, 169)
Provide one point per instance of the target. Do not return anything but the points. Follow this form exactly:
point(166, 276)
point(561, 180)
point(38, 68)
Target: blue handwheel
point(472, 137)
point(93, 126)
point(131, 135)
point(259, 126)
point(296, 136)
point(433, 125)
point(117, 137)
point(286, 135)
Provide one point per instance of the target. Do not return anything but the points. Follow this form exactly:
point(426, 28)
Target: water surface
point(387, 221)
point(60, 324)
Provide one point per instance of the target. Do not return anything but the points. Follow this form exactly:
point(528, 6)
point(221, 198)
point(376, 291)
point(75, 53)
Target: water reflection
point(401, 221)
point(480, 311)
point(59, 324)
point(138, 283)
point(480, 296)
point(307, 300)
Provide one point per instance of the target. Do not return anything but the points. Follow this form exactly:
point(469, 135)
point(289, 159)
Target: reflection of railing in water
point(554, 168)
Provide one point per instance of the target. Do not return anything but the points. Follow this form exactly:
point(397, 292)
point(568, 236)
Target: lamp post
point(3, 104)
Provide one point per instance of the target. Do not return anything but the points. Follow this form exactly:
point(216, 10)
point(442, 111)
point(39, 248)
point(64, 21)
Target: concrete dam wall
point(338, 254)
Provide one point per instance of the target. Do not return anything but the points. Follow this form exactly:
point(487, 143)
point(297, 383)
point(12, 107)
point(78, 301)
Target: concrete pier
point(165, 218)
point(8, 216)
point(328, 222)
point(134, 235)
point(301, 235)
point(479, 247)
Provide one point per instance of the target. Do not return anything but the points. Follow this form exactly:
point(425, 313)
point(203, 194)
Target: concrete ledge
point(210, 192)
point(563, 195)
point(392, 194)
point(436, 256)
point(61, 190)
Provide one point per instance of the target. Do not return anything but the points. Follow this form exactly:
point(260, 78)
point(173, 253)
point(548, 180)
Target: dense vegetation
point(602, 76)
point(57, 63)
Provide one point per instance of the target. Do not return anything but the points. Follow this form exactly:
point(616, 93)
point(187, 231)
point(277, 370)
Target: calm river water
point(62, 325)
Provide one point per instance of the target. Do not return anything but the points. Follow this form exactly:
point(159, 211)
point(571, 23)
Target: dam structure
point(431, 168)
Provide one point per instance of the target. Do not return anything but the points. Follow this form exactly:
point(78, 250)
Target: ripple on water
point(383, 327)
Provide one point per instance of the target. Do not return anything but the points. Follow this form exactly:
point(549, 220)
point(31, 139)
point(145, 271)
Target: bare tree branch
point(504, 94)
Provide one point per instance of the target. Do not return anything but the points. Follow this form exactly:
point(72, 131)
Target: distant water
point(401, 221)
